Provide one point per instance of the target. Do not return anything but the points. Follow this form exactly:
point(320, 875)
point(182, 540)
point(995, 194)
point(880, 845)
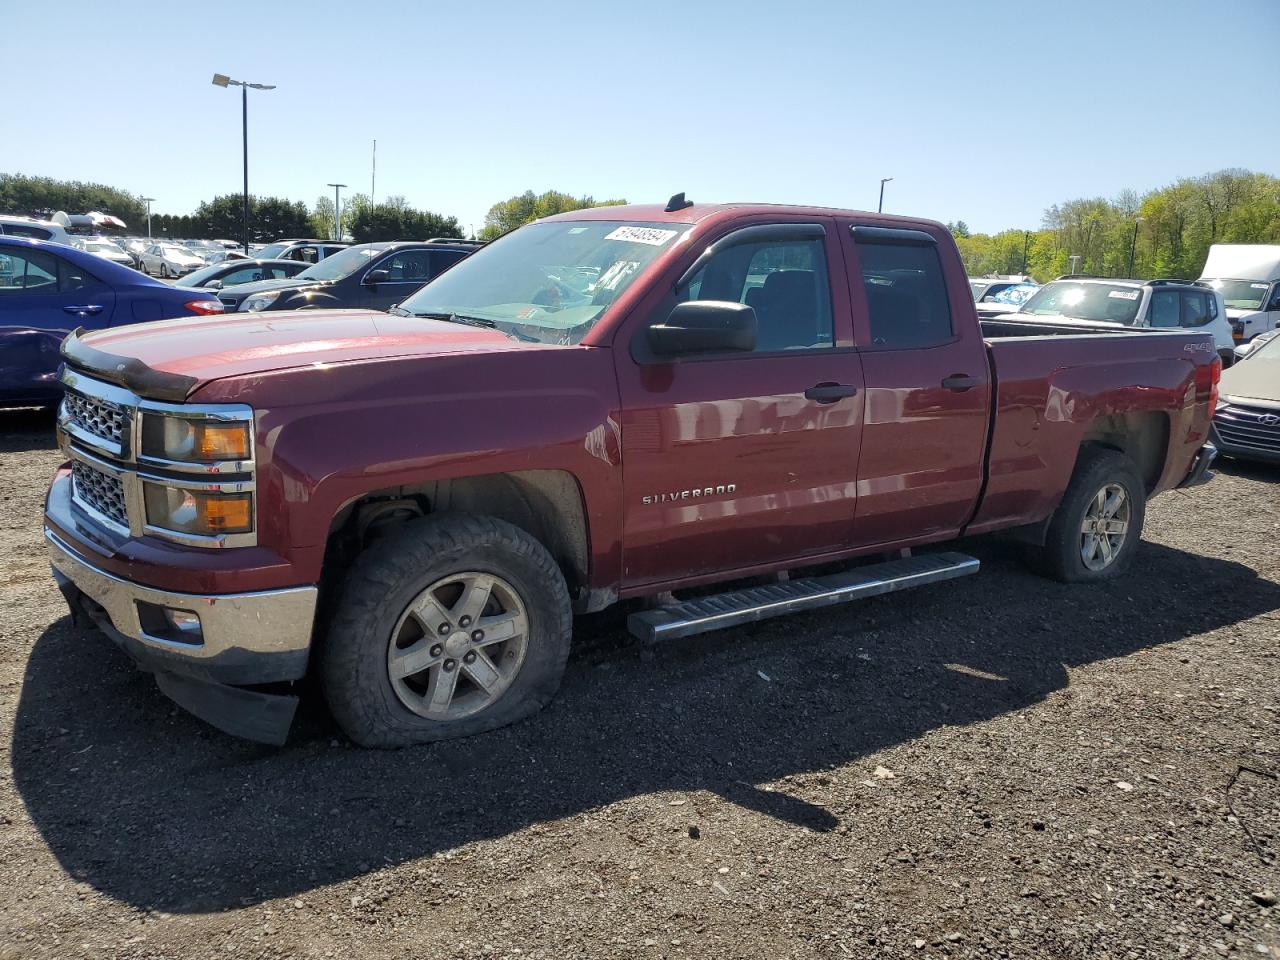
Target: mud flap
point(262, 717)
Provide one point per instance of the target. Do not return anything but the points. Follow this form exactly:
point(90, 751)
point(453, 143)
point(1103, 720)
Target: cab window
point(906, 295)
point(784, 281)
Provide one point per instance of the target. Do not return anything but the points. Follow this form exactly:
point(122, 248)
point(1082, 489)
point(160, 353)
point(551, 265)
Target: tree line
point(1164, 233)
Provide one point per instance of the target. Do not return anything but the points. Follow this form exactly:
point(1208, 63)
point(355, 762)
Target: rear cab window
point(906, 289)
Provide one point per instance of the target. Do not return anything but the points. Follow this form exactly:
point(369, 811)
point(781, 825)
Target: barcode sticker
point(1123, 294)
point(650, 235)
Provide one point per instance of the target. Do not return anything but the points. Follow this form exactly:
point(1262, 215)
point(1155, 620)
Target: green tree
point(270, 218)
point(505, 216)
point(44, 196)
point(395, 219)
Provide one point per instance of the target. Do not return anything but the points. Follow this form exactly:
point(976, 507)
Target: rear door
point(740, 460)
point(927, 385)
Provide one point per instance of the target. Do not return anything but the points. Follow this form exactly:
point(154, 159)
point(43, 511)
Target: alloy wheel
point(458, 646)
point(1105, 527)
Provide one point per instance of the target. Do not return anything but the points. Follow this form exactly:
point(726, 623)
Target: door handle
point(88, 308)
point(830, 392)
point(960, 382)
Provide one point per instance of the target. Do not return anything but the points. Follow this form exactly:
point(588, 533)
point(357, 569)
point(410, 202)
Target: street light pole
point(337, 212)
point(1133, 246)
point(148, 201)
point(222, 80)
point(883, 181)
point(1026, 239)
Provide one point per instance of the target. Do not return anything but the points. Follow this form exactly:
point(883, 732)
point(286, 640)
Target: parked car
point(135, 247)
point(103, 248)
point(1163, 304)
point(614, 402)
point(169, 260)
point(1246, 422)
point(49, 289)
point(11, 226)
point(1246, 348)
point(232, 273)
point(371, 275)
point(985, 288)
point(1248, 277)
point(1010, 298)
point(308, 251)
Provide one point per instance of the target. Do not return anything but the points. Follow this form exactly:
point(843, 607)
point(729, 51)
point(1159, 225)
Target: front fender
point(327, 437)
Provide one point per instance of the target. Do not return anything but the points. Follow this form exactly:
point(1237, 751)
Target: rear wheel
point(452, 626)
point(1098, 524)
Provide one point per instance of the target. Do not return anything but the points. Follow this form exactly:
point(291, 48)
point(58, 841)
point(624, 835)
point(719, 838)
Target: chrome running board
point(737, 607)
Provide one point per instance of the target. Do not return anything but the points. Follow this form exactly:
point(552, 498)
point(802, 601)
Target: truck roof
point(1242, 261)
point(695, 212)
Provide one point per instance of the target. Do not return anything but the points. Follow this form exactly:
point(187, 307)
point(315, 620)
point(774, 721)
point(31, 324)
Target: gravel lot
point(999, 766)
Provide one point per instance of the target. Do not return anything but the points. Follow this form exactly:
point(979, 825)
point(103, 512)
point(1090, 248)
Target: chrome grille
point(101, 418)
point(1256, 428)
point(99, 491)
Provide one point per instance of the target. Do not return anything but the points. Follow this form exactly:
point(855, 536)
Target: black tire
point(377, 591)
point(1061, 557)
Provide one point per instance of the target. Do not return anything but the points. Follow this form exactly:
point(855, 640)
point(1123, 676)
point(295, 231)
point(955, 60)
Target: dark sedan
point(48, 289)
point(232, 273)
point(370, 276)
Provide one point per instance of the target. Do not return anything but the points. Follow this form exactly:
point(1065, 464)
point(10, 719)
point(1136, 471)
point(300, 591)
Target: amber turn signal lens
point(222, 441)
point(225, 514)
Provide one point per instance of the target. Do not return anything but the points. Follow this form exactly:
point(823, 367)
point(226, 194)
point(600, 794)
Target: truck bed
point(1010, 329)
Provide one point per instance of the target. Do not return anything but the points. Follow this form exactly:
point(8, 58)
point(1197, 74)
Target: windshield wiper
point(477, 322)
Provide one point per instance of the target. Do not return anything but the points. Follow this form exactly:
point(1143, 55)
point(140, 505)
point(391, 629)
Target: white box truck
point(1248, 277)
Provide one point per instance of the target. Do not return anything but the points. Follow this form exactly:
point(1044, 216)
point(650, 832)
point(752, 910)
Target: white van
point(11, 226)
point(1248, 277)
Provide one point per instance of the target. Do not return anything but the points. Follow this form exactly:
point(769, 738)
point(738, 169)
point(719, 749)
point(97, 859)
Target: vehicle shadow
point(151, 807)
point(27, 428)
point(1248, 469)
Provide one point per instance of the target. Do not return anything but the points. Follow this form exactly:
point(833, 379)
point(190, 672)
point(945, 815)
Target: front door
point(43, 298)
point(406, 271)
point(927, 386)
point(738, 460)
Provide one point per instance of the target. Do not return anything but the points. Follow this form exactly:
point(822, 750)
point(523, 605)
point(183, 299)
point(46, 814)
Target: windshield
point(547, 281)
point(177, 253)
point(1241, 294)
point(1108, 302)
point(341, 264)
point(1016, 294)
point(273, 250)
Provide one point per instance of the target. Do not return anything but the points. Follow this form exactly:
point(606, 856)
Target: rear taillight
point(1214, 377)
point(205, 307)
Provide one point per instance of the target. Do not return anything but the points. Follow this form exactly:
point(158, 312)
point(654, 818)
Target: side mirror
point(705, 326)
point(214, 284)
point(376, 276)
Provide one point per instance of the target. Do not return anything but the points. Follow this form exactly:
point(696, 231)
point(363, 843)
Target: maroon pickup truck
point(625, 402)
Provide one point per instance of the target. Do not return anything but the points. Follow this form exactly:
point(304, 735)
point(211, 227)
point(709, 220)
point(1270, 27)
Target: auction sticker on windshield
point(650, 235)
point(1124, 294)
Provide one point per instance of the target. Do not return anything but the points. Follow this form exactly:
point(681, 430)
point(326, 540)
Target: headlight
point(194, 441)
point(260, 301)
point(196, 512)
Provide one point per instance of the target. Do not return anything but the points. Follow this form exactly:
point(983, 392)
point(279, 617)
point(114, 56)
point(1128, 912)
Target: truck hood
point(211, 348)
point(1235, 314)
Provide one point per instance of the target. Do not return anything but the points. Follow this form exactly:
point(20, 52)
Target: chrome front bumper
point(246, 639)
point(270, 622)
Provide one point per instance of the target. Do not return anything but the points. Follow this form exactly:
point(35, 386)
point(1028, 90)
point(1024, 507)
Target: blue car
point(47, 290)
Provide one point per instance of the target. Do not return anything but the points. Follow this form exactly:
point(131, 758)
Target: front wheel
point(1096, 529)
point(452, 626)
